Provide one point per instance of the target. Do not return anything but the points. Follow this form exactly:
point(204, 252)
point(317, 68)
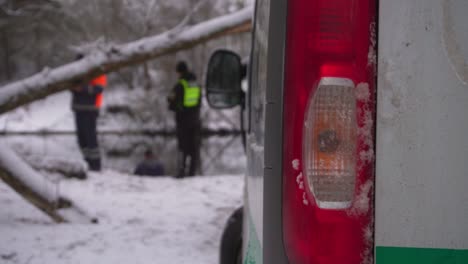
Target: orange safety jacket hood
point(101, 81)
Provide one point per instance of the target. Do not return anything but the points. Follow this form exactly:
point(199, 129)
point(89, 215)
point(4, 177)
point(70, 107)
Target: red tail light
point(329, 132)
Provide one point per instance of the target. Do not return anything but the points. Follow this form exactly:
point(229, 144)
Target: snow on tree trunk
point(39, 190)
point(57, 167)
point(108, 58)
point(30, 184)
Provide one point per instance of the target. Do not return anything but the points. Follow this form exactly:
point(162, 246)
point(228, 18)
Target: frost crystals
point(295, 164)
point(304, 199)
point(300, 180)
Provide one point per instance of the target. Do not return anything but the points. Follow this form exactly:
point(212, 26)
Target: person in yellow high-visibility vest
point(185, 100)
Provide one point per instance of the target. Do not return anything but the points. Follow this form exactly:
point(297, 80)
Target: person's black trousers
point(86, 122)
point(189, 141)
point(190, 160)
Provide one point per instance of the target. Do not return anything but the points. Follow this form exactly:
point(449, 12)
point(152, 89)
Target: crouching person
point(150, 166)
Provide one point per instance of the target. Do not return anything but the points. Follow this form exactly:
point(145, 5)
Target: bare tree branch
point(177, 29)
point(113, 57)
point(17, 8)
point(149, 12)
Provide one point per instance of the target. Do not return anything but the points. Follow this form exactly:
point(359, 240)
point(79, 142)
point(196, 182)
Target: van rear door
point(422, 129)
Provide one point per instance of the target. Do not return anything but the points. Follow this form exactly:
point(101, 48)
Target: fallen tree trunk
point(28, 183)
point(109, 58)
point(57, 166)
point(38, 190)
point(31, 196)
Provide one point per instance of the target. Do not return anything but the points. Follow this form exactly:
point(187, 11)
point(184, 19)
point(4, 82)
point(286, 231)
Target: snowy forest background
point(112, 216)
point(44, 34)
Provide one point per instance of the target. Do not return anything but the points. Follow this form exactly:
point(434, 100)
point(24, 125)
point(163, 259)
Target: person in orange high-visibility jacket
point(87, 99)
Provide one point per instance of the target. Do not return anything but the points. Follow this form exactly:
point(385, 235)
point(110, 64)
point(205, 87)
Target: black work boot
point(94, 164)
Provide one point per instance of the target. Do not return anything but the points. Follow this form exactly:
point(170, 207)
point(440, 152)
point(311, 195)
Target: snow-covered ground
point(141, 220)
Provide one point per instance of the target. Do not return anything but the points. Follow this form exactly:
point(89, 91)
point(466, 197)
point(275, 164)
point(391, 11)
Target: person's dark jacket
point(89, 96)
point(188, 122)
point(149, 168)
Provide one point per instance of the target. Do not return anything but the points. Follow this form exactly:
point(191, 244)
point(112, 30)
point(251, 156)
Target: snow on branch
point(110, 58)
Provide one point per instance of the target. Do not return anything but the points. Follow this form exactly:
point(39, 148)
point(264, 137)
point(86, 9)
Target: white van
point(356, 132)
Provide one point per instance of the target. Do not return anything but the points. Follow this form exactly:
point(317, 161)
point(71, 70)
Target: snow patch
point(362, 202)
point(367, 257)
point(372, 56)
point(295, 164)
point(257, 148)
point(137, 215)
point(367, 156)
point(365, 132)
point(65, 167)
point(362, 92)
point(305, 201)
point(368, 236)
point(52, 113)
point(300, 181)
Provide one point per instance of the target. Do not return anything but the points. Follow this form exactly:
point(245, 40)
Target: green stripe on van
point(405, 255)
point(254, 250)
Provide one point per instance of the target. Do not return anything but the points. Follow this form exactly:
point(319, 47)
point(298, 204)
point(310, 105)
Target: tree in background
point(47, 33)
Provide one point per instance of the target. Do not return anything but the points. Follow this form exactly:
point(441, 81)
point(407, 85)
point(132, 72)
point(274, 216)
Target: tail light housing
point(329, 143)
point(328, 157)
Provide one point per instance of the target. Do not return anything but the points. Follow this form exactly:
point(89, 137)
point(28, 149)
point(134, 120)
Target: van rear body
point(356, 133)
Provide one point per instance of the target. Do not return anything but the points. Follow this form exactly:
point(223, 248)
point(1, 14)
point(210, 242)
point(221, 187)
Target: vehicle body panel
point(422, 126)
point(421, 205)
point(255, 140)
point(273, 250)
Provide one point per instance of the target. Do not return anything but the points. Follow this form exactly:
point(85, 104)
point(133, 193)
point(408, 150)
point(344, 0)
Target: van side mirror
point(223, 80)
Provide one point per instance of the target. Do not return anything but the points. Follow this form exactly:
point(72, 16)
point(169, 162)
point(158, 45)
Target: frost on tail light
point(330, 143)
